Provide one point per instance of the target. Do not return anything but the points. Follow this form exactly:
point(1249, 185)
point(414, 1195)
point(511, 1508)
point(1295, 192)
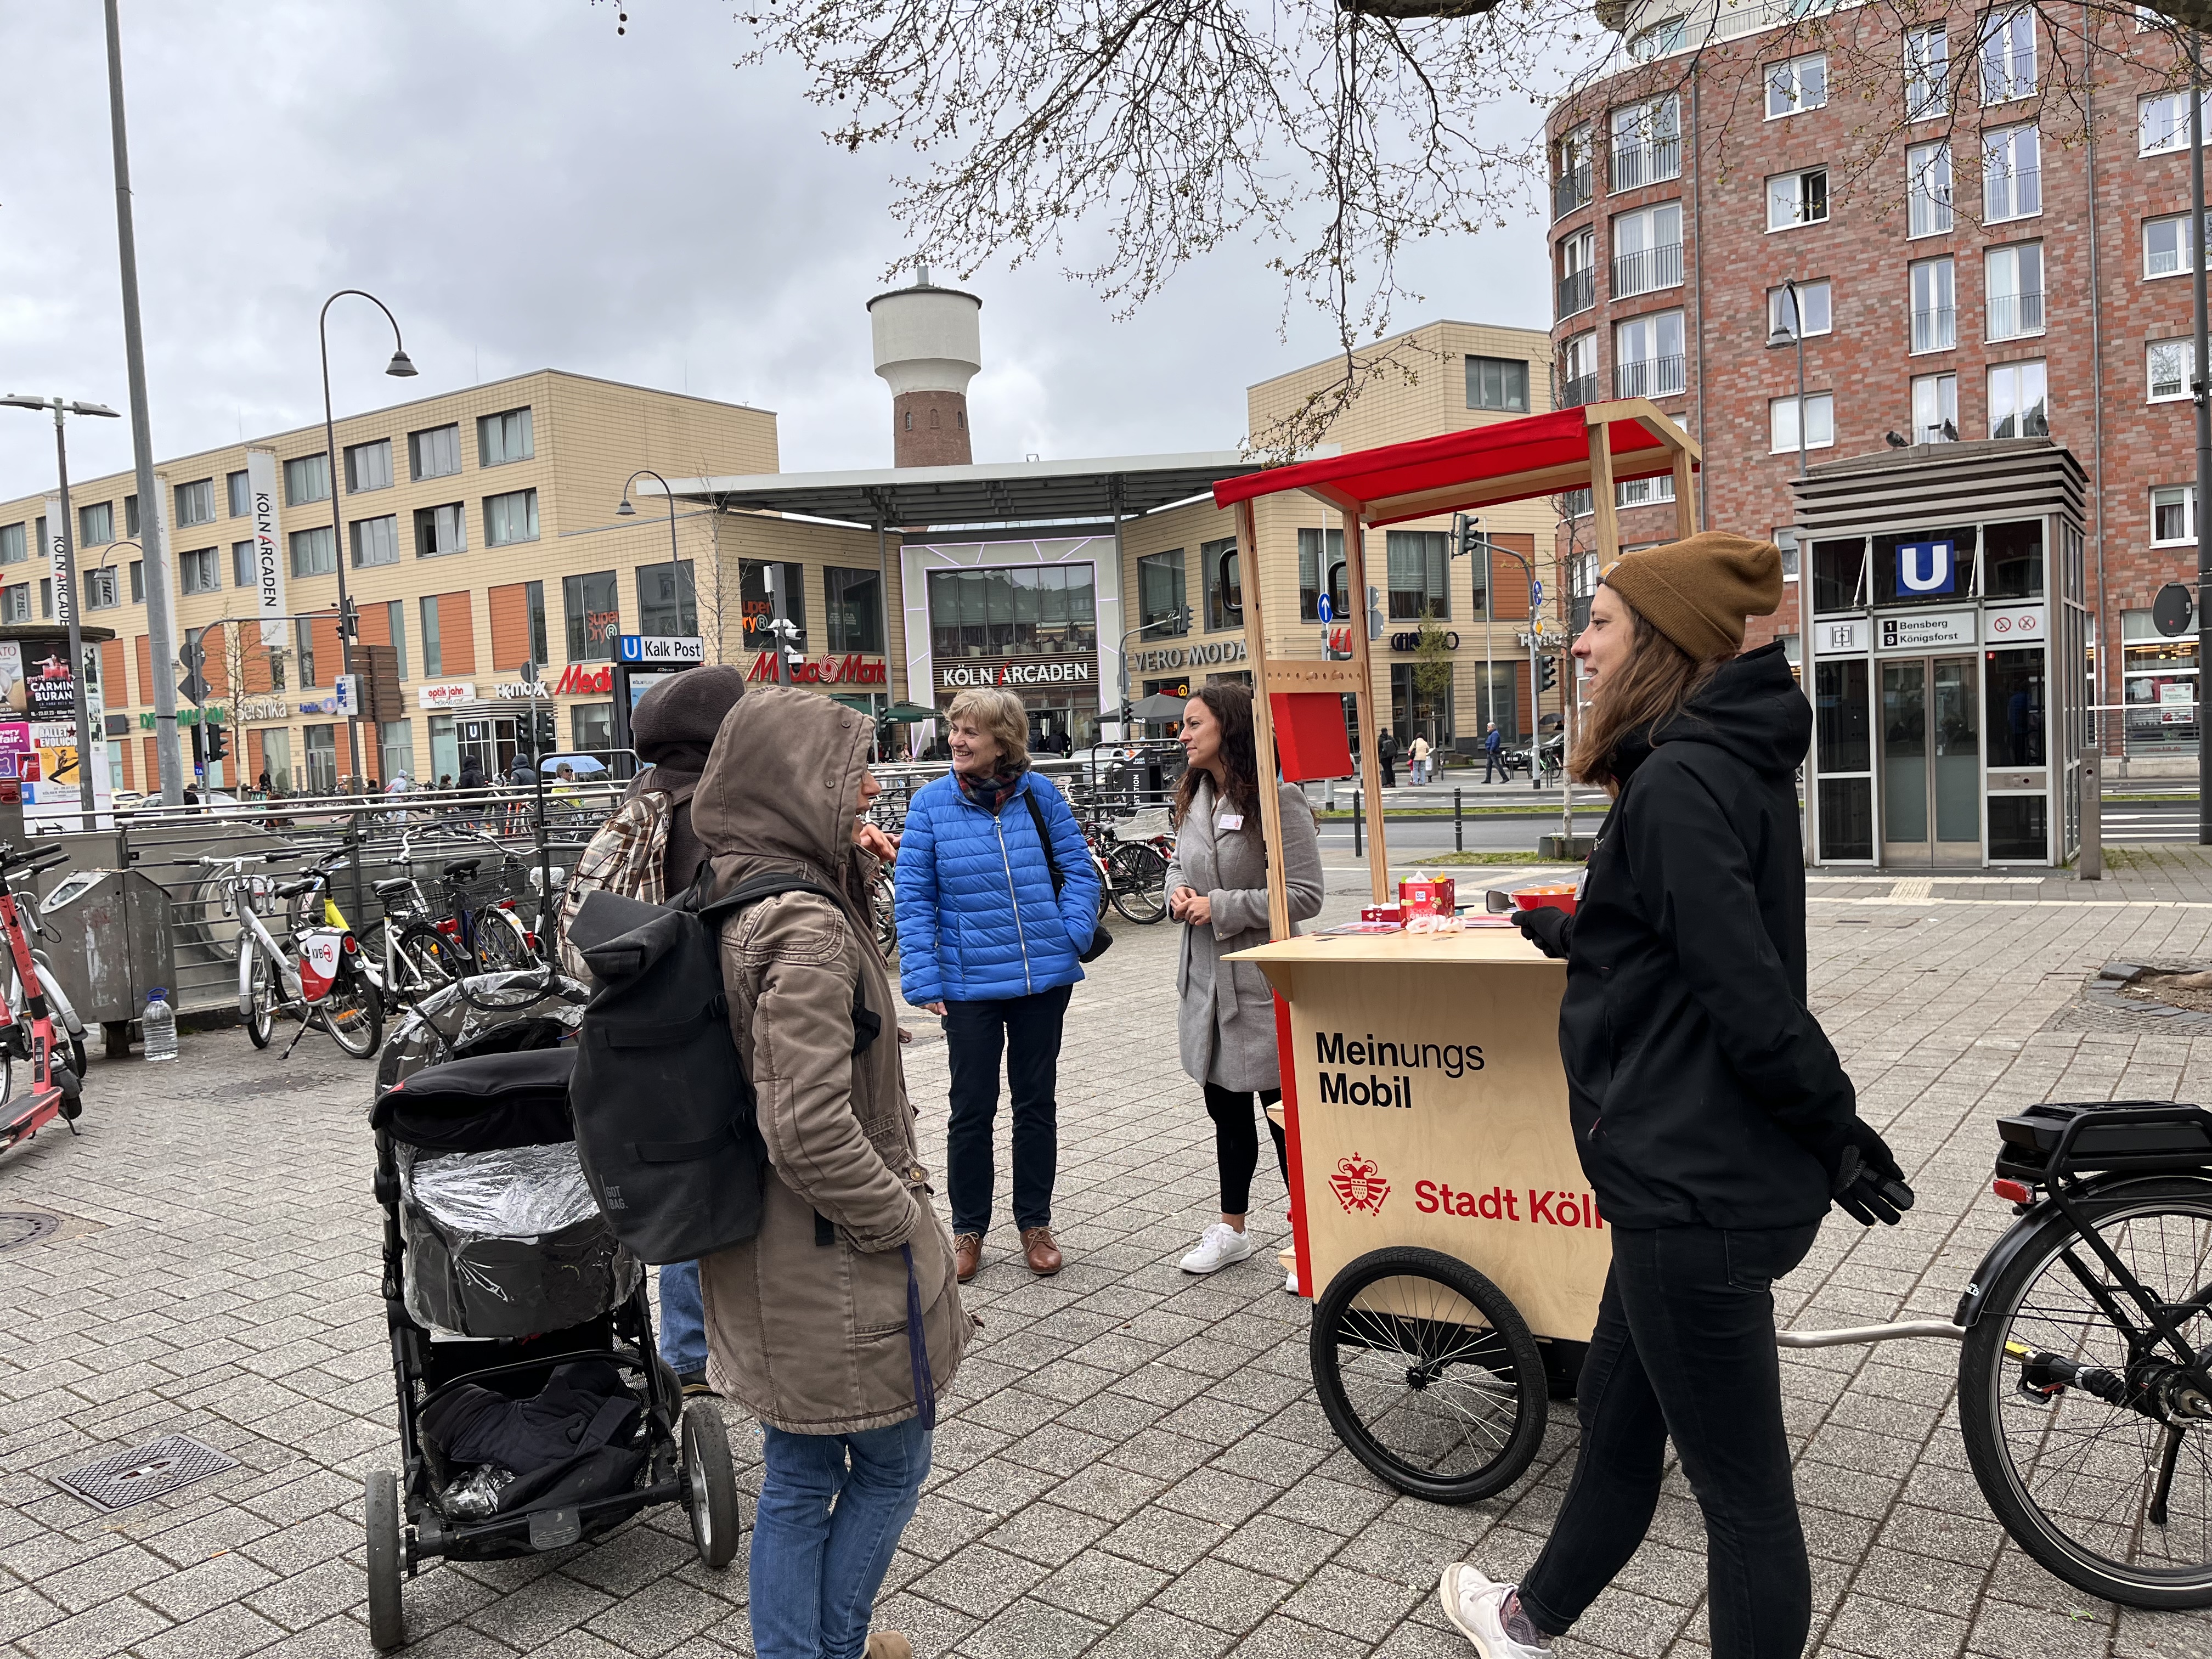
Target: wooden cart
point(1436, 1197)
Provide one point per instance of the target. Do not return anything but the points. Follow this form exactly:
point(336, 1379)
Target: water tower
point(928, 346)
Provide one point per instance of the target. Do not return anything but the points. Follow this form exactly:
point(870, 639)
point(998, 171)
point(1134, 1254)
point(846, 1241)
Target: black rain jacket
point(1696, 1079)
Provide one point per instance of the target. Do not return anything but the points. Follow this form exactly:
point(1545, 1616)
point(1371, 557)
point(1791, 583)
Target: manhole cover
point(132, 1477)
point(21, 1227)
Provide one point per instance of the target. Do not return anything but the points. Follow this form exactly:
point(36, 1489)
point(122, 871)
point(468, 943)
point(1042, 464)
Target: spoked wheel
point(262, 992)
point(2104, 1478)
point(1429, 1374)
point(502, 942)
point(424, 961)
point(387, 1619)
point(354, 1014)
point(710, 1484)
point(1139, 882)
point(885, 901)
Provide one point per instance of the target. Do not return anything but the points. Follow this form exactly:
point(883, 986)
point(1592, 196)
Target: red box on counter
point(1392, 913)
point(1428, 896)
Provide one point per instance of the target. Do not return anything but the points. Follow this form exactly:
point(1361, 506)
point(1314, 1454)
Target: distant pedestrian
point(1216, 884)
point(985, 945)
point(674, 728)
point(1493, 755)
point(1418, 752)
point(1711, 1115)
point(1386, 753)
point(838, 1324)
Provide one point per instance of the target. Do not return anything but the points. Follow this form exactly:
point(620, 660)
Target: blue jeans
point(823, 1532)
point(683, 1319)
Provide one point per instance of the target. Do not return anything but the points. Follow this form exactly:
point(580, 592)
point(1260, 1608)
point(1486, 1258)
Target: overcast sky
point(525, 190)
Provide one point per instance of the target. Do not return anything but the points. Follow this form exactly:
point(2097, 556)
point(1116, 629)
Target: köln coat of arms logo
point(1359, 1185)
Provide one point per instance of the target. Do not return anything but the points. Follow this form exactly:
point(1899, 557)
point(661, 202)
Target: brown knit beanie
point(1697, 592)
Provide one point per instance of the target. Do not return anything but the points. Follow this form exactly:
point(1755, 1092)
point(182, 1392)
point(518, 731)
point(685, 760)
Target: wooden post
point(1263, 716)
point(1686, 497)
point(1603, 503)
point(1371, 771)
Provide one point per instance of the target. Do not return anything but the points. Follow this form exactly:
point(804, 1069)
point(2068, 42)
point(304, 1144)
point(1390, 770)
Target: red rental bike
point(28, 1033)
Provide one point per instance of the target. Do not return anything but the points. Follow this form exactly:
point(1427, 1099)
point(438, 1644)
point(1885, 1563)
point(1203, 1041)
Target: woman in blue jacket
point(987, 945)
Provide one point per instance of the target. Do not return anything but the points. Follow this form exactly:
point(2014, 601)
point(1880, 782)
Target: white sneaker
point(1218, 1246)
point(1291, 1281)
point(1472, 1603)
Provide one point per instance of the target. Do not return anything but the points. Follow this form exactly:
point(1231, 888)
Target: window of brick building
point(2167, 365)
point(2012, 173)
point(1935, 409)
point(1820, 422)
point(1647, 143)
point(2173, 515)
point(1928, 189)
point(1797, 199)
point(1647, 249)
point(1647, 355)
point(1797, 84)
point(2013, 291)
point(2166, 250)
point(1927, 73)
point(2161, 123)
point(2019, 404)
point(1813, 309)
point(2007, 57)
point(1934, 305)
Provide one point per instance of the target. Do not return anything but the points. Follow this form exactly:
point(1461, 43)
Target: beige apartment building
point(1447, 376)
point(480, 536)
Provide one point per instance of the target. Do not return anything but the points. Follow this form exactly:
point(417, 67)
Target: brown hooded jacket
point(806, 1323)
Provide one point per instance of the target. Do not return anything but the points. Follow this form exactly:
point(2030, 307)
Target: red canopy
point(1507, 461)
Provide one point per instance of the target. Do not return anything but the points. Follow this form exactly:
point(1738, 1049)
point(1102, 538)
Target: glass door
point(1905, 837)
point(1955, 764)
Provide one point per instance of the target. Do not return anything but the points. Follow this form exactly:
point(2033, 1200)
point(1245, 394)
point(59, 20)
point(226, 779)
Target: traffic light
point(1374, 613)
point(350, 621)
point(1468, 542)
point(214, 746)
point(191, 656)
point(1550, 670)
point(1183, 620)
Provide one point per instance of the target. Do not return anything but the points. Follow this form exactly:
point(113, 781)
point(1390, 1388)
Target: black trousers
point(1493, 761)
point(1684, 1349)
point(1236, 1143)
point(1026, 1030)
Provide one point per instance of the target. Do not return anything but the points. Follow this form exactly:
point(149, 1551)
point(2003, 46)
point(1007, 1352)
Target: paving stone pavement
point(1132, 1462)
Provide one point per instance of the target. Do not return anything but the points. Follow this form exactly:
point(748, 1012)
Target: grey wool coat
point(1226, 1018)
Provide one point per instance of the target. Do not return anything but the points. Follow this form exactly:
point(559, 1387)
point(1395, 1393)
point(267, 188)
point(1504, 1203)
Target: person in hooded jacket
point(1714, 1121)
point(840, 1323)
point(674, 728)
point(988, 945)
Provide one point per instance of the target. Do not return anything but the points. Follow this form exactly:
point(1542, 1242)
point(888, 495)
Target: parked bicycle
point(317, 975)
point(416, 947)
point(54, 1090)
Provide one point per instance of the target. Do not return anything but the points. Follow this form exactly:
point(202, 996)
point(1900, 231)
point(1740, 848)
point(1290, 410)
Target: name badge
point(1229, 821)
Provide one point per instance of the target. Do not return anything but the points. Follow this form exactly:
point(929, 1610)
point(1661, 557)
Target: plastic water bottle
point(159, 1024)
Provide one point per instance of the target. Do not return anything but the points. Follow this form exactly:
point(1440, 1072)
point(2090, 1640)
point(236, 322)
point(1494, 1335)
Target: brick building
point(1994, 271)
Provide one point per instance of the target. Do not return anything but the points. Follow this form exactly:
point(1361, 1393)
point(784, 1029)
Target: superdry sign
point(852, 670)
point(1069, 671)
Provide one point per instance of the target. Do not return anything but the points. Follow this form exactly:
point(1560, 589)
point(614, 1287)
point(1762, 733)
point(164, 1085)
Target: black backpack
point(662, 1106)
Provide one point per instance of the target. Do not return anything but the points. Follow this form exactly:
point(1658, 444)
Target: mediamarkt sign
point(851, 670)
point(1078, 671)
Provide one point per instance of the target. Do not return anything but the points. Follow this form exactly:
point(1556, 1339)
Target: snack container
point(1559, 896)
point(1390, 913)
point(1428, 896)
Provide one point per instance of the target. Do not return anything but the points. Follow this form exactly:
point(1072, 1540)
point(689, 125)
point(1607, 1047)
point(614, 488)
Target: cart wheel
point(387, 1622)
point(711, 1485)
point(1429, 1374)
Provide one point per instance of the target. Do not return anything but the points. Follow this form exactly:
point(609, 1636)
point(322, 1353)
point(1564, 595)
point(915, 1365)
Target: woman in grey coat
point(1218, 889)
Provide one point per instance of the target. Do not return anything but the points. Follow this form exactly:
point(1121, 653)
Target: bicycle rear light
point(2013, 1192)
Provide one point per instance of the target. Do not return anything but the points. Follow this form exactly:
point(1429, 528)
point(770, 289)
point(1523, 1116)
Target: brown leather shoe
point(1044, 1257)
point(967, 1256)
point(888, 1644)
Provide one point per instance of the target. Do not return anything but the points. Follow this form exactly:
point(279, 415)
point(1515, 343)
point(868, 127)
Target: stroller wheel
point(711, 1485)
point(387, 1622)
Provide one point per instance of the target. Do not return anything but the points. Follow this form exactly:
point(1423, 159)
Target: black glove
point(1863, 1178)
point(1550, 930)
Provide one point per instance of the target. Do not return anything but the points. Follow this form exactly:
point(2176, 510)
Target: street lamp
point(1781, 336)
point(675, 563)
point(65, 594)
point(401, 368)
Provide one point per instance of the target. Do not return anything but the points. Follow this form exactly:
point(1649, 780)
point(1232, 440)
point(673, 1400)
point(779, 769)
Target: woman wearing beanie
point(1218, 889)
point(1713, 1119)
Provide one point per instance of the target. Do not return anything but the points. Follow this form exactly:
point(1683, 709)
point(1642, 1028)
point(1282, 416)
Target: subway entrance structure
point(1437, 1209)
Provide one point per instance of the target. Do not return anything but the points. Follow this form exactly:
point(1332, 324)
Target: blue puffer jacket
point(976, 917)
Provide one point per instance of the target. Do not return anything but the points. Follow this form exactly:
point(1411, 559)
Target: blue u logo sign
point(1926, 567)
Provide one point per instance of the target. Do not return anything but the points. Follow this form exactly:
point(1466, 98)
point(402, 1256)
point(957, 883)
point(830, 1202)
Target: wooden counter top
point(1472, 945)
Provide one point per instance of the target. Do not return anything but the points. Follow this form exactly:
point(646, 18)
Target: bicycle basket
point(2056, 1139)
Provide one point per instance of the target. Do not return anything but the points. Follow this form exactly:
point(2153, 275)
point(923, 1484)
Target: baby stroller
point(522, 1332)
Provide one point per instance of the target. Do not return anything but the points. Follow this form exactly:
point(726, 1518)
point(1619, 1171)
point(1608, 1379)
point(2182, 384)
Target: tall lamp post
point(65, 592)
point(674, 560)
point(1781, 336)
point(400, 368)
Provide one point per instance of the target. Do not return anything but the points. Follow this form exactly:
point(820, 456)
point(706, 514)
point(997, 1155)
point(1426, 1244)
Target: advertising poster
point(268, 544)
point(57, 560)
point(17, 752)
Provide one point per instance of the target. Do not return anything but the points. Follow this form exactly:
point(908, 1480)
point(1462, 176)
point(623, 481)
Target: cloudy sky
point(527, 189)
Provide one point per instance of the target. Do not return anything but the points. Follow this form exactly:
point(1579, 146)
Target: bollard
point(1459, 825)
point(1358, 823)
point(2091, 865)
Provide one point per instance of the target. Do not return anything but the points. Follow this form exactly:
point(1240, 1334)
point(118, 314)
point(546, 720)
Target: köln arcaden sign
point(1018, 672)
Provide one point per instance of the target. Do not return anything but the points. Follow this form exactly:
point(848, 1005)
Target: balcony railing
point(1934, 331)
point(2012, 315)
point(2012, 192)
point(1646, 162)
point(1648, 269)
point(1570, 190)
point(1577, 290)
point(1651, 377)
point(1574, 393)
